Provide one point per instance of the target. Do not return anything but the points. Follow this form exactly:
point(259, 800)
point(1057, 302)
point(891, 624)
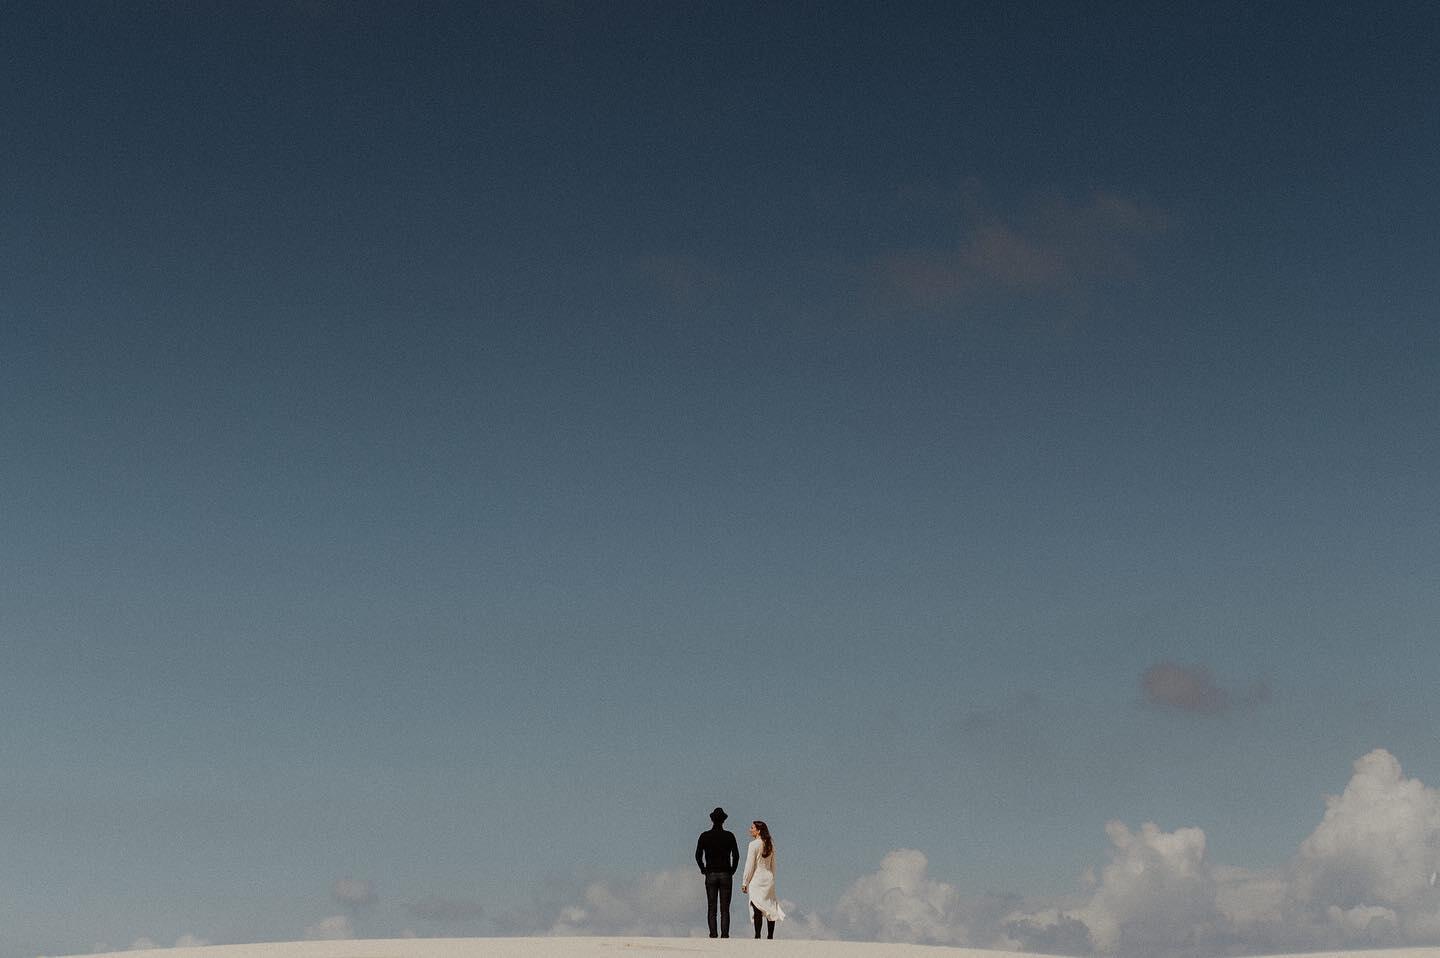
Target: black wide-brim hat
point(718, 815)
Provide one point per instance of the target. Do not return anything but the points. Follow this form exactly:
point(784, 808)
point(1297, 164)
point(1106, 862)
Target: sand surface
point(622, 947)
point(564, 948)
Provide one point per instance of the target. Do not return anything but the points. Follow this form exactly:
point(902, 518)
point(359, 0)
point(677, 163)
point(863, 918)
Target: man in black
point(718, 856)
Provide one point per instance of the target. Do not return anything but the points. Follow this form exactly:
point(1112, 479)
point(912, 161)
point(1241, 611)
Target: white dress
point(760, 879)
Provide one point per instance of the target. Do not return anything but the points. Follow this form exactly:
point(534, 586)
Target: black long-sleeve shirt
point(716, 851)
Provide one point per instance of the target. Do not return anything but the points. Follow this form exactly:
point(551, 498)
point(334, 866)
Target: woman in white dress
point(759, 882)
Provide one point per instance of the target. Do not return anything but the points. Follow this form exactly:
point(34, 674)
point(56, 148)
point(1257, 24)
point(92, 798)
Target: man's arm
point(733, 856)
point(700, 852)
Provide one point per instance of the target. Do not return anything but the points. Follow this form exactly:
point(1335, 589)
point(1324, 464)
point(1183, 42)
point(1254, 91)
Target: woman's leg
point(756, 913)
point(771, 933)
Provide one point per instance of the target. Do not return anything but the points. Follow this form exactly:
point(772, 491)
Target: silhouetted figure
point(718, 856)
point(759, 879)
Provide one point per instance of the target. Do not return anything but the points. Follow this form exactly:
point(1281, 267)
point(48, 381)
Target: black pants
point(717, 891)
point(758, 918)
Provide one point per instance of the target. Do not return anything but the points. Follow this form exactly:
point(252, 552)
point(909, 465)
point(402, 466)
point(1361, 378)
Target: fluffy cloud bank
point(660, 903)
point(1369, 868)
point(334, 928)
point(900, 902)
point(1365, 877)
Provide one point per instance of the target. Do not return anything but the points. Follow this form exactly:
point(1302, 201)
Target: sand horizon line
point(618, 946)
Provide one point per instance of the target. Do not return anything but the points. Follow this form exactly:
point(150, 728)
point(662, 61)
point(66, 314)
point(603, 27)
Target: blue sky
point(454, 449)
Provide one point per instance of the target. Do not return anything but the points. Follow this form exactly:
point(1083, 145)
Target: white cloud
point(900, 902)
point(1379, 841)
point(1250, 899)
point(1157, 891)
point(667, 903)
point(1049, 931)
point(1364, 873)
point(443, 909)
point(146, 943)
point(1363, 878)
point(1157, 896)
point(663, 903)
point(334, 928)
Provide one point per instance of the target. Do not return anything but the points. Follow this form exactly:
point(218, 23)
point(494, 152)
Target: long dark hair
point(764, 831)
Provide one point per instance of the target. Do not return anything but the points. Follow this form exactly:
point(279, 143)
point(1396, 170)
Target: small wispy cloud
point(442, 909)
point(1054, 245)
point(354, 892)
point(1193, 689)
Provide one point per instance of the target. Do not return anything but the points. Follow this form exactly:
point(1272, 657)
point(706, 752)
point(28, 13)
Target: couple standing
point(718, 856)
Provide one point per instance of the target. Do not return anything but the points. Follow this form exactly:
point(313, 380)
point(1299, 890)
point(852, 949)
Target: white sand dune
point(565, 948)
point(622, 947)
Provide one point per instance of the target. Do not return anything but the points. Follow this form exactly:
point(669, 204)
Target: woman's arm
point(751, 854)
